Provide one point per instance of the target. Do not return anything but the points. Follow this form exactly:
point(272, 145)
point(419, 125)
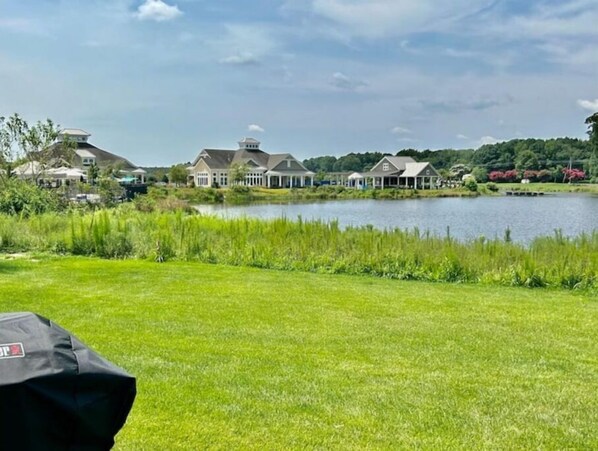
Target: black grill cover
point(55, 393)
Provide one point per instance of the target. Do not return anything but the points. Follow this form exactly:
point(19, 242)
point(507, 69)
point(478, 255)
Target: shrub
point(492, 187)
point(18, 197)
point(471, 184)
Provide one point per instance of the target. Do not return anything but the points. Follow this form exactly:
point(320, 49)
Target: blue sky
point(157, 80)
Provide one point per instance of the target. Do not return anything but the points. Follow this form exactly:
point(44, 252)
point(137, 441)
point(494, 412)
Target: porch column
point(382, 182)
point(312, 181)
point(415, 182)
point(302, 181)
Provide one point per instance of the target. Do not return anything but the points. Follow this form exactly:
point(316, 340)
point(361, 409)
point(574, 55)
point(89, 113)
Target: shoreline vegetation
point(242, 194)
point(310, 246)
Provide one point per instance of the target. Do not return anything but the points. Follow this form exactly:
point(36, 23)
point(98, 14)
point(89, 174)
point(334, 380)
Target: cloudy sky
point(157, 80)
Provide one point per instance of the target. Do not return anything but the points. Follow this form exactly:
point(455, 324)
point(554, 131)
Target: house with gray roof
point(403, 172)
point(86, 155)
point(397, 172)
point(211, 167)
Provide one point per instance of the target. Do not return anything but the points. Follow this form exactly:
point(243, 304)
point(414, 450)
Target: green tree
point(110, 191)
point(93, 172)
point(178, 174)
point(457, 171)
point(471, 184)
point(526, 160)
point(238, 172)
point(592, 122)
point(480, 174)
point(21, 142)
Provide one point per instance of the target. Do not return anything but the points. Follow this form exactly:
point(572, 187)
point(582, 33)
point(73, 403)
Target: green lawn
point(230, 357)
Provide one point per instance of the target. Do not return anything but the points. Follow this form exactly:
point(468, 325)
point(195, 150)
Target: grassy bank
point(312, 246)
point(245, 194)
point(230, 358)
point(550, 187)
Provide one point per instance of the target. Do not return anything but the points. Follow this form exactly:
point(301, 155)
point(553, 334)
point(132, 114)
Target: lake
point(467, 218)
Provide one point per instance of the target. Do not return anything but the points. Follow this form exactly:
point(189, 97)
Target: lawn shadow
point(9, 267)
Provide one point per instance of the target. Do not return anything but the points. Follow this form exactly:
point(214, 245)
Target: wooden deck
point(524, 193)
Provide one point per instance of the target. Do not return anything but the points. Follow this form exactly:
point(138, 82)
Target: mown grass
point(230, 357)
point(313, 246)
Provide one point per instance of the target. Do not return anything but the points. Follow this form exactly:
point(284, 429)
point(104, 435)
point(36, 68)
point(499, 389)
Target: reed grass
point(313, 246)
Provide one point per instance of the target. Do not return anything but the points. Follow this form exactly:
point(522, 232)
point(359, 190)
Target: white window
point(223, 179)
point(202, 179)
point(385, 167)
point(288, 163)
point(253, 179)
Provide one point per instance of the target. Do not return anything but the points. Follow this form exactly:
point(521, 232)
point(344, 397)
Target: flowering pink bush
point(574, 174)
point(496, 176)
point(507, 176)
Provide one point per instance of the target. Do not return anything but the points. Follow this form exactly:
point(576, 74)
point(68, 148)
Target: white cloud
point(255, 128)
point(461, 136)
point(588, 104)
point(242, 59)
point(158, 11)
point(400, 131)
point(488, 140)
point(381, 18)
point(567, 18)
point(345, 82)
point(242, 44)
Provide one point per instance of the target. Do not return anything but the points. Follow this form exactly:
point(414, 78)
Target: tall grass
point(316, 246)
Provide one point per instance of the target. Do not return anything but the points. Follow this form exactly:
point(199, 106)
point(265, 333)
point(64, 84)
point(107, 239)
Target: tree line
point(548, 159)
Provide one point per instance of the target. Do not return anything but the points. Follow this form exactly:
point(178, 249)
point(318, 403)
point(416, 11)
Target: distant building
point(397, 172)
point(86, 154)
point(212, 167)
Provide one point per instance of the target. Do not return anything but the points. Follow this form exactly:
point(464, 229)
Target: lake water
point(467, 218)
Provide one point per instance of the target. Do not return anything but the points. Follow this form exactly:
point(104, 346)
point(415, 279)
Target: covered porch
point(383, 180)
point(276, 179)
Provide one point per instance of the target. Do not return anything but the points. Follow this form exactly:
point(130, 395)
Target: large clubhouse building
point(86, 155)
point(212, 168)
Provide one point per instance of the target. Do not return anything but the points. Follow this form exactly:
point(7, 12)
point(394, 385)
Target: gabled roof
point(244, 155)
point(222, 159)
point(416, 169)
point(400, 162)
point(355, 176)
point(103, 158)
point(276, 159)
point(397, 163)
point(216, 158)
